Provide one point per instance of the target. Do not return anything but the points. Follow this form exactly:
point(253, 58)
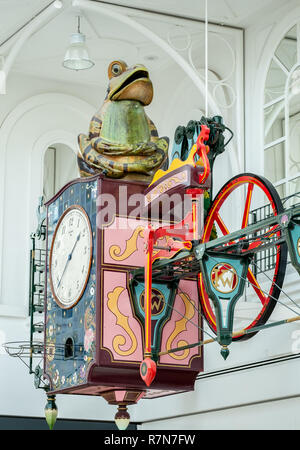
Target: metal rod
point(31, 298)
point(185, 347)
point(236, 333)
point(199, 250)
point(275, 284)
point(148, 297)
point(261, 290)
point(271, 221)
point(206, 59)
point(161, 247)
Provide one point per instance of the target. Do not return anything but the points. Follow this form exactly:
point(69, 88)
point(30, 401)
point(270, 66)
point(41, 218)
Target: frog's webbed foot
point(99, 144)
point(151, 148)
point(91, 162)
point(157, 149)
point(163, 144)
point(85, 170)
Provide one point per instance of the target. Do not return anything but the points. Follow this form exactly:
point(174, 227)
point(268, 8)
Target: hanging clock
point(94, 318)
point(70, 257)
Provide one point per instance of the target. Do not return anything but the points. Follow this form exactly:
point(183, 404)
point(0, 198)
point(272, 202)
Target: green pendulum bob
point(224, 278)
point(51, 411)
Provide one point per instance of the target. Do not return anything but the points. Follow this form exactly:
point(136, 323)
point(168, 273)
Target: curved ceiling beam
point(190, 72)
point(41, 19)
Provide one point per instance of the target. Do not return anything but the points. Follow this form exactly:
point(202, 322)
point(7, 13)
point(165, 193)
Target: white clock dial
point(70, 257)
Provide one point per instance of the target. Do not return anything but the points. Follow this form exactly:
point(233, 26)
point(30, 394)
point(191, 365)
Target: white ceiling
point(240, 13)
point(15, 13)
point(43, 53)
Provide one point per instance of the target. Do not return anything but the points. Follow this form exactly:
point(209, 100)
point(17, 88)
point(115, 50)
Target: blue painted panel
point(78, 322)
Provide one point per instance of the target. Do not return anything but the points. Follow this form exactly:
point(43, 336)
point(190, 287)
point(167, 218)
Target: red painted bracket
point(148, 370)
point(187, 230)
point(202, 151)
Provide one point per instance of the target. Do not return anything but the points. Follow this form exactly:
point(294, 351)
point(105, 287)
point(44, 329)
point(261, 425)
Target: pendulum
point(224, 351)
point(51, 411)
point(122, 417)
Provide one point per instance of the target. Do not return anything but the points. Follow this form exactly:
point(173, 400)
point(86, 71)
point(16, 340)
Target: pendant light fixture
point(77, 57)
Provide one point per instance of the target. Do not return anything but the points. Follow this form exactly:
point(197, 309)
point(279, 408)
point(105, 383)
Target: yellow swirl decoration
point(178, 163)
point(180, 326)
point(122, 321)
point(131, 246)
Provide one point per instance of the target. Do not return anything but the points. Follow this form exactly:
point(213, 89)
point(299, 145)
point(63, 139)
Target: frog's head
point(129, 83)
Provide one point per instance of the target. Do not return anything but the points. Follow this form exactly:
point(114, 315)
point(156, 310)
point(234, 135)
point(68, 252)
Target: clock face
point(70, 257)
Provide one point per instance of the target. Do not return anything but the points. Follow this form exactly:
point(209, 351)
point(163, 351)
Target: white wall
point(60, 166)
point(269, 415)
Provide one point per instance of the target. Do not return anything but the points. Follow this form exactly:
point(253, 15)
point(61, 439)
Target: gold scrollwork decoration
point(122, 321)
point(180, 326)
point(131, 246)
point(50, 351)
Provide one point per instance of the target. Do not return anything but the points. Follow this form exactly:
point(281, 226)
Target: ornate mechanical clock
point(95, 315)
point(122, 313)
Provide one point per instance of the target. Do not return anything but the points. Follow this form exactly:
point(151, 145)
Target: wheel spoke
point(253, 281)
point(272, 231)
point(269, 236)
point(247, 205)
point(259, 241)
point(221, 224)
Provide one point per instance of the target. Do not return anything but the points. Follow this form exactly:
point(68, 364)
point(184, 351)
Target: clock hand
point(70, 255)
point(68, 259)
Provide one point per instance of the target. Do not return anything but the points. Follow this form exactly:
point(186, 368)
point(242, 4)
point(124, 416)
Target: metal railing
point(36, 291)
point(266, 259)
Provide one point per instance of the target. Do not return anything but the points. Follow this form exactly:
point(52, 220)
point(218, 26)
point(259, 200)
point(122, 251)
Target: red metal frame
point(267, 300)
point(193, 232)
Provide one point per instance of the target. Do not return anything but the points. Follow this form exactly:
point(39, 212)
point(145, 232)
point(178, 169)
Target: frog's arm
point(153, 130)
point(162, 142)
point(94, 151)
point(95, 126)
point(101, 145)
point(95, 161)
point(91, 160)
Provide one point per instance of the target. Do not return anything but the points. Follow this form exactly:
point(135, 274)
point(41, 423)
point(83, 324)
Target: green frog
point(123, 141)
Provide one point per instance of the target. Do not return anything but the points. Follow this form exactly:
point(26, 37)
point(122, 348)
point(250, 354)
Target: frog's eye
point(116, 68)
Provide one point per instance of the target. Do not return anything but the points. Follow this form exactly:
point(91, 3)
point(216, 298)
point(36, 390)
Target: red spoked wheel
point(229, 212)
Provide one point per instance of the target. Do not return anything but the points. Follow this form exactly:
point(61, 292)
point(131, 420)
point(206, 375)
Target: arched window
point(60, 166)
point(69, 348)
point(282, 116)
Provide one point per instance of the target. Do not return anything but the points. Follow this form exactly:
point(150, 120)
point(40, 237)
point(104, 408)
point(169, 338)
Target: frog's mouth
point(137, 86)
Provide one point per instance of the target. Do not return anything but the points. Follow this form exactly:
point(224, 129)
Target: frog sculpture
point(123, 142)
